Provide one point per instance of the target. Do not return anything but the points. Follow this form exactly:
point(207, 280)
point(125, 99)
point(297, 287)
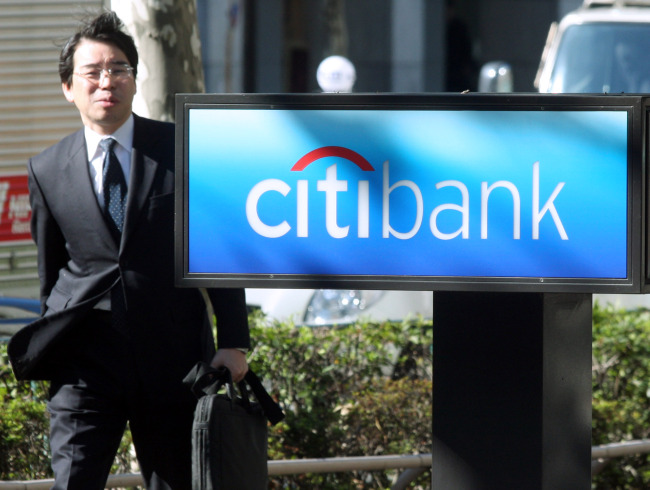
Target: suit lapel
point(76, 174)
point(143, 172)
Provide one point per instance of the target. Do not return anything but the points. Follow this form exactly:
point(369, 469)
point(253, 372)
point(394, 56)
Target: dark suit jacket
point(79, 262)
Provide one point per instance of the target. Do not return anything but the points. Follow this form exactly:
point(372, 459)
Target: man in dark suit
point(116, 337)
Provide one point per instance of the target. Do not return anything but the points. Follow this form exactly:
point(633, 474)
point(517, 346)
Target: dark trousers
point(96, 389)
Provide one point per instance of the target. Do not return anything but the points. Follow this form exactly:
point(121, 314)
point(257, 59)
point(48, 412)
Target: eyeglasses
point(95, 75)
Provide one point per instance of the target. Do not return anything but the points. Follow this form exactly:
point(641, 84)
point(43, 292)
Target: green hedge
point(360, 390)
point(366, 390)
point(621, 392)
point(23, 427)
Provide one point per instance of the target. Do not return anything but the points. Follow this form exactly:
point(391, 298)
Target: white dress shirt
point(124, 138)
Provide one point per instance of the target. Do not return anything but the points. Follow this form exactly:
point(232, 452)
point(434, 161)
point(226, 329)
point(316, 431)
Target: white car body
point(315, 307)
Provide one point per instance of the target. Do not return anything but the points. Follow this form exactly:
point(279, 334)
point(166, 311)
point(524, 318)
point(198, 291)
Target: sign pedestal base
point(511, 391)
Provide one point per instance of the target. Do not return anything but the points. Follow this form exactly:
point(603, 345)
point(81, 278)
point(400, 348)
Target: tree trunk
point(167, 36)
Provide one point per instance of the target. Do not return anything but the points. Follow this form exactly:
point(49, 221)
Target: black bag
point(229, 436)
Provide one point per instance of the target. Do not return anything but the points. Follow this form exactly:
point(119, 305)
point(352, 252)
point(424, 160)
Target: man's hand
point(234, 360)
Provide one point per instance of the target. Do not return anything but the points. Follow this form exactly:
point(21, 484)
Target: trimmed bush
point(24, 449)
point(359, 390)
point(366, 389)
point(621, 392)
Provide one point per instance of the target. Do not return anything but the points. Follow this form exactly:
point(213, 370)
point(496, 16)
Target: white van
point(602, 47)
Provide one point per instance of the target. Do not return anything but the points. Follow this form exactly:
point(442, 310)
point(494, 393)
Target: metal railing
point(602, 455)
point(414, 465)
point(617, 449)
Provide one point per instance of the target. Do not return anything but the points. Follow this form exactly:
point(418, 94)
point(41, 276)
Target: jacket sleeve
point(229, 306)
point(50, 243)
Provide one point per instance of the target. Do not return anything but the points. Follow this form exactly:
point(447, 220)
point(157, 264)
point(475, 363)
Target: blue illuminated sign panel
point(425, 194)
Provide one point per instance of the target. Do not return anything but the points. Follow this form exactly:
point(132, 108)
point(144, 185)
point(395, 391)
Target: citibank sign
point(331, 186)
point(321, 191)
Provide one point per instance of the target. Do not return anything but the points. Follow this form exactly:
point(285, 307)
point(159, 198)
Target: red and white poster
point(15, 212)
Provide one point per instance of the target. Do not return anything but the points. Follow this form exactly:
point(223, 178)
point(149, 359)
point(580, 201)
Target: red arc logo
point(332, 151)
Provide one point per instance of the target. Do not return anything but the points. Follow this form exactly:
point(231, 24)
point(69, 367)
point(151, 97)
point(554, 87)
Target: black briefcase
point(230, 436)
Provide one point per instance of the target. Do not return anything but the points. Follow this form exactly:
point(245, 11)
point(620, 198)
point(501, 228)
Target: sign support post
point(512, 390)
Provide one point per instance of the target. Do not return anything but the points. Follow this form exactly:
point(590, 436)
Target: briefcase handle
point(203, 380)
point(224, 378)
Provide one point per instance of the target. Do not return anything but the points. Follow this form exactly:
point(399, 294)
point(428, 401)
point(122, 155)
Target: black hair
point(107, 28)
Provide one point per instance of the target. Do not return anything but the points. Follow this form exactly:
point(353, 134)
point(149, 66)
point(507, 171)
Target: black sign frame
point(637, 254)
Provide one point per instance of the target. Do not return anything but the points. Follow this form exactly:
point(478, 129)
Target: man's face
point(104, 102)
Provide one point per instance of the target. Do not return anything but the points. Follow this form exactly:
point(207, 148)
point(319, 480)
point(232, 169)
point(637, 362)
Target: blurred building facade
point(257, 46)
point(395, 45)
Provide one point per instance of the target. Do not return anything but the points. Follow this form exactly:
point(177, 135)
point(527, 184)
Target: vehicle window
point(603, 58)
